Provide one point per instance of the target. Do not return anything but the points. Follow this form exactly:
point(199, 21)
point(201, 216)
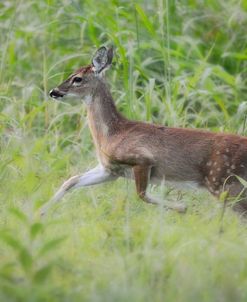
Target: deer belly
point(178, 176)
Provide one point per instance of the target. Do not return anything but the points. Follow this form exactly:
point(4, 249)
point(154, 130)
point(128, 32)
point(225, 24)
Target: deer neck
point(103, 117)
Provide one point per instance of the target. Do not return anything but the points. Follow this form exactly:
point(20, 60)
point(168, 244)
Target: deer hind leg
point(142, 175)
point(237, 194)
point(92, 177)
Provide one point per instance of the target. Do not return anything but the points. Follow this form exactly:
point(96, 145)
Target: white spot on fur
point(211, 172)
point(218, 152)
point(218, 169)
point(227, 150)
point(233, 166)
point(209, 163)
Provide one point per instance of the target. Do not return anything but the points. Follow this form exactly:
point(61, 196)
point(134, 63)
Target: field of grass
point(178, 63)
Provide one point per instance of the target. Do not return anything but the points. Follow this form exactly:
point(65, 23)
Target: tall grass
point(179, 63)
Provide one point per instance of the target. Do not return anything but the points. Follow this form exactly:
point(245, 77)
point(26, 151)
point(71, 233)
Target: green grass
point(179, 63)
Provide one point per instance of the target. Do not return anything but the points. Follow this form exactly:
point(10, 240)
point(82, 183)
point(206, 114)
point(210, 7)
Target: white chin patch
point(88, 99)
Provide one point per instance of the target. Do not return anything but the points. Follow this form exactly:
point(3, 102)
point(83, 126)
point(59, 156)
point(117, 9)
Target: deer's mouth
point(56, 94)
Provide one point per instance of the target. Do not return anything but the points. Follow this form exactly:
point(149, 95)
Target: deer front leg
point(142, 175)
point(92, 177)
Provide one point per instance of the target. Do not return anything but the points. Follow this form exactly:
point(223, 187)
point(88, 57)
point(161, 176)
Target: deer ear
point(102, 59)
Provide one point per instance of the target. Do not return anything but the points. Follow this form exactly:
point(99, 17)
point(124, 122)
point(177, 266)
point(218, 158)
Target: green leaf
point(25, 259)
point(42, 274)
point(7, 271)
point(236, 55)
point(10, 241)
point(222, 106)
point(18, 214)
point(224, 75)
point(242, 181)
point(145, 19)
point(223, 196)
point(35, 229)
point(51, 245)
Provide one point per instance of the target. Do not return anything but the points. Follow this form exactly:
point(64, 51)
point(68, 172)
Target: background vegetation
point(179, 63)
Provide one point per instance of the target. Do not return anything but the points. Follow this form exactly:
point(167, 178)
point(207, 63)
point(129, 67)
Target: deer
point(150, 153)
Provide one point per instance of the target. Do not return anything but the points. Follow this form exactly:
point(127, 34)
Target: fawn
point(150, 153)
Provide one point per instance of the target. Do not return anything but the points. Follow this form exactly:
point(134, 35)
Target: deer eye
point(77, 80)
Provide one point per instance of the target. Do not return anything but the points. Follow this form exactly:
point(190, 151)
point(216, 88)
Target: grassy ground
point(179, 63)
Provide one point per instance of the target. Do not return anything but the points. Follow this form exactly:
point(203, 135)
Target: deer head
point(81, 83)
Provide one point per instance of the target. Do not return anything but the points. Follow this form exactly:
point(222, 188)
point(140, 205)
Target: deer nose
point(55, 93)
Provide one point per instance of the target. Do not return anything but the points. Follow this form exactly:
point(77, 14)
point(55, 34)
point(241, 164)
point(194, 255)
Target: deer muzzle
point(55, 93)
